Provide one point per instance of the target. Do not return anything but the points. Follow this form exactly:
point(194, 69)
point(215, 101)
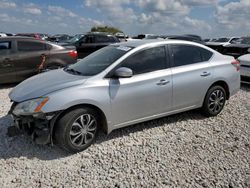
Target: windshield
point(98, 61)
point(222, 40)
point(75, 38)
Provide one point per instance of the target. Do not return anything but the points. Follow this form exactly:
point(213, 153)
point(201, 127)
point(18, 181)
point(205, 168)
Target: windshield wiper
point(73, 71)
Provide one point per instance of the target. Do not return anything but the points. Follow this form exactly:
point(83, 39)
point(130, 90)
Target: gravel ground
point(184, 150)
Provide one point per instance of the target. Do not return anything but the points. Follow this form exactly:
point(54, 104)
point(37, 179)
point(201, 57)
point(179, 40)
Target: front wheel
point(214, 101)
point(77, 129)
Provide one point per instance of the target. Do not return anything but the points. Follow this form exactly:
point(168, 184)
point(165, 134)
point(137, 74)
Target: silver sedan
point(121, 85)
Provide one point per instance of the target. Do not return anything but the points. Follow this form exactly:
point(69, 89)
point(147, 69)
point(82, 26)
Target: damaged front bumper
point(38, 126)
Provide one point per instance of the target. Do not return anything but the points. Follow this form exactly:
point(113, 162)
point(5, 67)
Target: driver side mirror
point(248, 50)
point(123, 72)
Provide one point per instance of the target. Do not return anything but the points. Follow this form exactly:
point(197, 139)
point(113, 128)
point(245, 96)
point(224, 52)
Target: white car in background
point(3, 35)
point(245, 67)
point(223, 41)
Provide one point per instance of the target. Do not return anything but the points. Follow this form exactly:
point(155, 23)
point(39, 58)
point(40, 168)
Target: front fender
point(66, 98)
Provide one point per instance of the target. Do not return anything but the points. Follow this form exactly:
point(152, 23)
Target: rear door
point(192, 75)
point(30, 56)
point(7, 69)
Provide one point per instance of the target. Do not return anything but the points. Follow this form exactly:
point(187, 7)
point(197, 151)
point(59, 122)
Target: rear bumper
point(40, 128)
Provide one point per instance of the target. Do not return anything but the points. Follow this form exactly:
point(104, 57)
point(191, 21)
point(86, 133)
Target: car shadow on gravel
point(161, 122)
point(22, 145)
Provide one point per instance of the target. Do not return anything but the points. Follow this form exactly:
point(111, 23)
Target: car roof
point(137, 43)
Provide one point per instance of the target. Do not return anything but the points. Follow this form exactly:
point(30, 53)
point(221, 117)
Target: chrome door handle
point(162, 82)
point(204, 74)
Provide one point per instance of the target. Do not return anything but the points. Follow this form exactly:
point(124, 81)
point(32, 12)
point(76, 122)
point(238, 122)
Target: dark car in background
point(59, 38)
point(22, 57)
point(220, 43)
point(92, 42)
point(71, 41)
point(241, 47)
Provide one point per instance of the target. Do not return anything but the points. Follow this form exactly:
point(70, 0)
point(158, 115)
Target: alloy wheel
point(216, 101)
point(83, 130)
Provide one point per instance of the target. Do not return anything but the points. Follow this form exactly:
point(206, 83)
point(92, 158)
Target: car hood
point(45, 83)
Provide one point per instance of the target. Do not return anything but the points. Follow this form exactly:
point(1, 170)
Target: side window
point(102, 39)
point(89, 39)
point(83, 39)
point(185, 55)
point(148, 60)
point(111, 39)
point(206, 54)
point(26, 46)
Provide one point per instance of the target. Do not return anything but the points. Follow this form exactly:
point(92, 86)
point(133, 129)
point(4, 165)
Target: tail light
point(236, 64)
point(73, 54)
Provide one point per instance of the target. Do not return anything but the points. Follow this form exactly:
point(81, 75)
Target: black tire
point(214, 101)
point(67, 126)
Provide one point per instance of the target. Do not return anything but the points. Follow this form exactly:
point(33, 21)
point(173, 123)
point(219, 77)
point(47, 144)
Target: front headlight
point(30, 107)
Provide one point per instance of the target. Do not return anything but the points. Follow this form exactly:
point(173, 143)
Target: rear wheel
point(214, 101)
point(77, 129)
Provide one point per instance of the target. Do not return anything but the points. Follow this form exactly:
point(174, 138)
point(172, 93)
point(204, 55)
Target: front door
point(148, 93)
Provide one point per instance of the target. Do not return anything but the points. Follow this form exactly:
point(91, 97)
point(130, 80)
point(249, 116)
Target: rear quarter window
point(206, 54)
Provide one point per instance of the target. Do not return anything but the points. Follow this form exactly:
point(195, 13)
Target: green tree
point(107, 29)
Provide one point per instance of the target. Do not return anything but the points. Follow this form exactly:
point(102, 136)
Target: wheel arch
point(223, 84)
point(103, 127)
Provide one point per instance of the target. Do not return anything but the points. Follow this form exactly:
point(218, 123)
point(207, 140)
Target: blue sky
point(208, 18)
